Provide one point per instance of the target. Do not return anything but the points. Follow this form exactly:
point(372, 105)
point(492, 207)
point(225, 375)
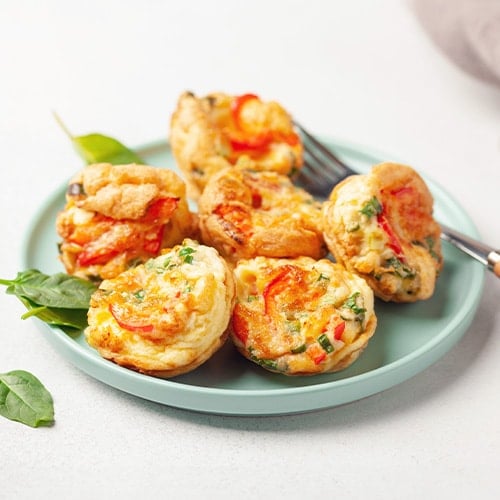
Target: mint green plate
point(409, 337)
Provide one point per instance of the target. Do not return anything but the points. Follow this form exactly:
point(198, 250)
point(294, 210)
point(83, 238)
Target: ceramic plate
point(409, 337)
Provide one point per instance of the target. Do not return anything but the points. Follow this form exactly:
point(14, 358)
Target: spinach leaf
point(70, 321)
point(58, 300)
point(58, 290)
point(23, 398)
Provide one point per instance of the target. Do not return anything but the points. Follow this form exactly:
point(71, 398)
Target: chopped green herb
point(266, 363)
point(187, 254)
point(352, 305)
point(186, 251)
point(323, 277)
point(429, 240)
point(139, 295)
point(400, 269)
point(299, 349)
point(372, 207)
point(350, 228)
point(325, 343)
point(134, 263)
point(293, 326)
point(168, 264)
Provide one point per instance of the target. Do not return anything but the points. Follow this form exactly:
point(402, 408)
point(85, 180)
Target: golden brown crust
point(116, 215)
point(246, 213)
point(205, 137)
point(301, 316)
point(167, 316)
point(125, 191)
point(381, 226)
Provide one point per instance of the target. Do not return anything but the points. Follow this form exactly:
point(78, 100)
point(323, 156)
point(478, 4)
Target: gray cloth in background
point(467, 31)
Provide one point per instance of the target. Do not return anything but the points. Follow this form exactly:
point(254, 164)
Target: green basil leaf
point(58, 290)
point(98, 148)
point(23, 398)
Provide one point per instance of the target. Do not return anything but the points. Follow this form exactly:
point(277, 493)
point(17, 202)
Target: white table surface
point(361, 71)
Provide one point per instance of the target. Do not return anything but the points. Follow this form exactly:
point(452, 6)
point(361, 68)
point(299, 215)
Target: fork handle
point(496, 267)
point(494, 262)
point(481, 252)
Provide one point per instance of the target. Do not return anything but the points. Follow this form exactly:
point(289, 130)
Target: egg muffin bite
point(167, 316)
point(245, 213)
point(119, 215)
point(381, 226)
point(301, 316)
point(210, 133)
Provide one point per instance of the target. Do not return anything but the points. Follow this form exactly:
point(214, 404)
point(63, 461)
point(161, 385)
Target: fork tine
point(319, 147)
point(322, 169)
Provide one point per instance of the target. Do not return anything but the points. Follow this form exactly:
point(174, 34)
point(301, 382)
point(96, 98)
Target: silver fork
point(323, 169)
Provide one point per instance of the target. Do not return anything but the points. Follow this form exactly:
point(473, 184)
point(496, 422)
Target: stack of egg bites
point(252, 263)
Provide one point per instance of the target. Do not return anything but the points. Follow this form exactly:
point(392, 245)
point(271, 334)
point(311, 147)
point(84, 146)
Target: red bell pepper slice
point(153, 245)
point(402, 190)
point(393, 244)
point(239, 220)
point(316, 353)
point(128, 324)
point(157, 213)
point(247, 142)
point(258, 143)
point(237, 106)
point(285, 278)
point(161, 209)
point(96, 256)
point(339, 330)
point(256, 199)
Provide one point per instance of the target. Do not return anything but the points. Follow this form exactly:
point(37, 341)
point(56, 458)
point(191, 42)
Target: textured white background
point(364, 71)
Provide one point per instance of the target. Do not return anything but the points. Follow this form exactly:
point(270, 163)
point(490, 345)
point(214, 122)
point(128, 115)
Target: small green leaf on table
point(23, 398)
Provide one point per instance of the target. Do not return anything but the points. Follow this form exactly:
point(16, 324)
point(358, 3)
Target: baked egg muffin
point(245, 213)
point(166, 316)
point(119, 215)
point(381, 226)
point(301, 316)
point(210, 133)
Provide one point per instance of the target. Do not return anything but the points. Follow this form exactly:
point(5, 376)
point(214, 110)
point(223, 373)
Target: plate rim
point(438, 344)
